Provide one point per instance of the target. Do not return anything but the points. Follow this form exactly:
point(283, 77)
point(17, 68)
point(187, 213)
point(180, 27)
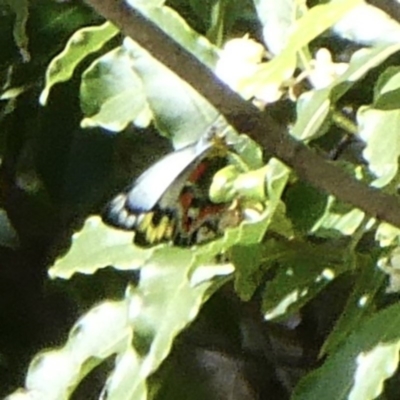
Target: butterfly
point(169, 201)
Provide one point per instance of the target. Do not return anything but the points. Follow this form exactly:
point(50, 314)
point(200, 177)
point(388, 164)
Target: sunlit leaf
point(82, 43)
point(301, 274)
point(338, 219)
point(356, 25)
point(313, 107)
point(360, 304)
point(382, 153)
point(247, 260)
point(359, 368)
point(168, 297)
point(112, 95)
point(97, 246)
point(174, 25)
point(387, 234)
point(21, 10)
point(309, 26)
point(278, 19)
point(177, 108)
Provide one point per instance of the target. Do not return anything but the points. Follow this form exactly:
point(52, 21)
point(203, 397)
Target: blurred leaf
point(82, 43)
point(97, 246)
point(360, 304)
point(175, 26)
point(177, 108)
point(148, 85)
point(356, 26)
point(381, 153)
point(8, 235)
point(386, 90)
point(309, 26)
point(389, 263)
point(21, 10)
point(169, 295)
point(338, 217)
point(248, 276)
point(276, 179)
point(303, 270)
point(250, 152)
point(359, 368)
point(278, 19)
point(217, 21)
point(312, 110)
point(387, 235)
point(304, 205)
point(313, 106)
point(112, 95)
point(166, 300)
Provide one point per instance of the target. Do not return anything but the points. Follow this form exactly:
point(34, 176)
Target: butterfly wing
point(160, 185)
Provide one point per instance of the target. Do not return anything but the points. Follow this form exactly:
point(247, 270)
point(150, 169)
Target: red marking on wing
point(197, 173)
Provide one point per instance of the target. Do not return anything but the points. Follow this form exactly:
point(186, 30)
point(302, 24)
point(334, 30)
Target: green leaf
point(389, 263)
point(248, 276)
point(140, 329)
point(317, 20)
point(338, 219)
point(387, 235)
point(166, 300)
point(177, 108)
point(145, 88)
point(112, 94)
point(381, 153)
point(175, 26)
point(82, 43)
point(8, 235)
point(277, 177)
point(21, 10)
point(303, 270)
point(250, 152)
point(230, 183)
point(312, 110)
point(356, 25)
point(97, 246)
point(360, 304)
point(218, 12)
point(278, 19)
point(253, 262)
point(313, 106)
point(304, 205)
point(386, 90)
point(308, 27)
point(359, 368)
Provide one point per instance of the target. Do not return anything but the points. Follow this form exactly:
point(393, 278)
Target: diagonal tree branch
point(246, 118)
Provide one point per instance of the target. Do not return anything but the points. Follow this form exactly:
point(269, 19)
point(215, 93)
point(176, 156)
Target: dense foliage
point(298, 301)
